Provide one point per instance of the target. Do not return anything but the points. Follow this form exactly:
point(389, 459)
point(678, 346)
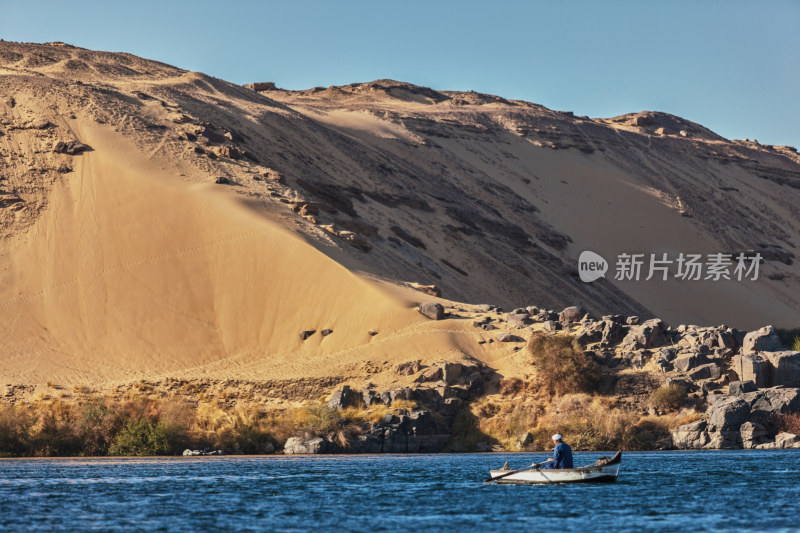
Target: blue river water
point(656, 491)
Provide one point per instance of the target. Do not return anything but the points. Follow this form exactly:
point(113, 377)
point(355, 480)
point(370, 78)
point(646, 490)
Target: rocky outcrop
point(784, 368)
point(650, 334)
point(739, 421)
point(761, 340)
point(768, 369)
point(343, 398)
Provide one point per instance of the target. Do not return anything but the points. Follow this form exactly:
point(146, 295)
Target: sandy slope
point(129, 261)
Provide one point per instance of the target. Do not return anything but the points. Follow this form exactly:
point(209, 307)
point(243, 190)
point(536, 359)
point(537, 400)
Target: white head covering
point(557, 436)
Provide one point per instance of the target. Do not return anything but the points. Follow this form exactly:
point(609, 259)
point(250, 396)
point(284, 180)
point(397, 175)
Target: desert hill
point(206, 226)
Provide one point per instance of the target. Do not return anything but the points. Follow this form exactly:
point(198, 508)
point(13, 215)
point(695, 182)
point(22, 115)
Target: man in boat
point(562, 454)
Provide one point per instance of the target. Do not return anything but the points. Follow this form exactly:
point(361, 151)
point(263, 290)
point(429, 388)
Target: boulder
point(431, 290)
point(343, 398)
point(409, 368)
point(752, 434)
point(525, 440)
point(739, 388)
point(709, 371)
point(650, 334)
point(728, 413)
point(307, 333)
point(518, 320)
point(668, 354)
point(433, 373)
point(505, 336)
point(761, 340)
point(432, 310)
point(785, 368)
point(787, 440)
point(399, 393)
point(752, 368)
point(767, 402)
point(571, 314)
point(451, 372)
point(310, 445)
point(690, 362)
point(782, 440)
point(690, 436)
point(370, 397)
point(70, 147)
point(326, 332)
point(632, 320)
point(551, 325)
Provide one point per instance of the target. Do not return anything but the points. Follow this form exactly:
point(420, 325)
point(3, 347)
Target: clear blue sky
point(732, 66)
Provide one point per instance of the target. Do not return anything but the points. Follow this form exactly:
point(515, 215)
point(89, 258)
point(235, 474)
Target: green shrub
point(796, 344)
point(561, 364)
point(98, 424)
point(142, 436)
point(669, 397)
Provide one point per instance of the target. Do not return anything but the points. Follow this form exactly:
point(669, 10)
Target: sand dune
point(130, 260)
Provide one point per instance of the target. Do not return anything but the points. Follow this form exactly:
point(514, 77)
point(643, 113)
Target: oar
point(535, 465)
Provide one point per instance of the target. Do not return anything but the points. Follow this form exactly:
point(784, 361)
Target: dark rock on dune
point(433, 373)
point(307, 333)
point(505, 336)
point(326, 332)
point(518, 320)
point(571, 314)
point(432, 310)
point(70, 147)
point(408, 368)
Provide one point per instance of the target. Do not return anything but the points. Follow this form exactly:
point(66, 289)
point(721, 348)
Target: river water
point(658, 491)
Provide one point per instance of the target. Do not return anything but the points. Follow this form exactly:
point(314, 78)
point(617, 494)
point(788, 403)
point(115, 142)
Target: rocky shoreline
point(738, 381)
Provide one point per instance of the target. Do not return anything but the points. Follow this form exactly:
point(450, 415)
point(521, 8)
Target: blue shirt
point(562, 456)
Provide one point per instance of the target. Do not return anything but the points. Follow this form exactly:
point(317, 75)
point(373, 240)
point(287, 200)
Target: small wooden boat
point(604, 470)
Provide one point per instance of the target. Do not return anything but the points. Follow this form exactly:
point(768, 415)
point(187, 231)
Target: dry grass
point(788, 423)
point(669, 397)
point(562, 366)
point(587, 422)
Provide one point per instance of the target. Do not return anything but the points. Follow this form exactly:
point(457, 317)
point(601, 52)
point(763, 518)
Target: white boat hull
point(587, 474)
